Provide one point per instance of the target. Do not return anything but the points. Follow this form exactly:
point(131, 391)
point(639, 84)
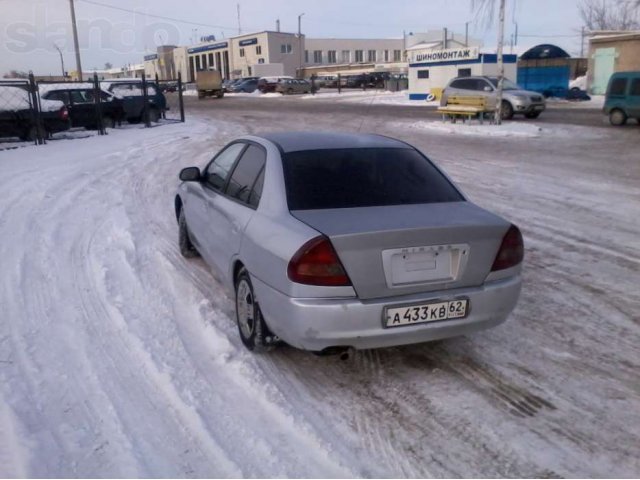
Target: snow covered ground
point(120, 358)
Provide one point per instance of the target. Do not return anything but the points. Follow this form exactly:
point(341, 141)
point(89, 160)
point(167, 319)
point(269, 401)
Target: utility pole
point(300, 43)
point(239, 27)
point(61, 60)
point(582, 42)
point(500, 63)
point(466, 34)
point(75, 39)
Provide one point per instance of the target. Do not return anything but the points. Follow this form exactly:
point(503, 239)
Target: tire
point(532, 114)
point(108, 122)
point(186, 247)
point(154, 115)
point(30, 135)
point(220, 94)
point(290, 91)
point(253, 330)
point(507, 110)
point(617, 117)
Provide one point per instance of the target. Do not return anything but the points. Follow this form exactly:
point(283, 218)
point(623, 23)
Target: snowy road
point(120, 358)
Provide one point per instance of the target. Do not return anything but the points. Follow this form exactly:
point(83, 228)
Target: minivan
point(622, 100)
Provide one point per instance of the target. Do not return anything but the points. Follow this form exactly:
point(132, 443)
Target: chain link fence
point(31, 111)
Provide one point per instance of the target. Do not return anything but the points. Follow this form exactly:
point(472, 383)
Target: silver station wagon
point(330, 241)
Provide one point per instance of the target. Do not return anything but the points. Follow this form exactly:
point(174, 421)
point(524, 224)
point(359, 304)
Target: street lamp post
point(64, 75)
point(300, 43)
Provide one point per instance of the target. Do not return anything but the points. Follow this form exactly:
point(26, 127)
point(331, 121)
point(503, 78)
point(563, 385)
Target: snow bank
point(507, 129)
point(580, 82)
point(255, 93)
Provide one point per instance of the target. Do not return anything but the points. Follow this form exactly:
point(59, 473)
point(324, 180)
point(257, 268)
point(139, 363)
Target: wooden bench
point(466, 108)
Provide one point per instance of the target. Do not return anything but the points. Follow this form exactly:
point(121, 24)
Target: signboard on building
point(149, 58)
point(249, 41)
point(448, 55)
point(206, 48)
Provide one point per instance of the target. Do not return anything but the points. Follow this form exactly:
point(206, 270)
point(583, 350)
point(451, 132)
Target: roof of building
point(298, 141)
point(608, 35)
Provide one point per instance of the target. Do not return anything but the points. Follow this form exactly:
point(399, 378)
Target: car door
point(63, 96)
point(229, 212)
point(82, 108)
point(633, 99)
point(214, 179)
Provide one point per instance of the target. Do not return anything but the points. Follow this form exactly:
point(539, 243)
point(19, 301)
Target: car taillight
point(511, 250)
point(316, 263)
point(64, 113)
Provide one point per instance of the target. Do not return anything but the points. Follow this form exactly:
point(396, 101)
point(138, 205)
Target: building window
point(386, 55)
point(423, 73)
point(359, 56)
point(464, 72)
point(345, 56)
point(317, 56)
point(249, 70)
point(261, 60)
point(371, 56)
point(211, 60)
point(331, 56)
point(204, 61)
point(397, 55)
point(306, 56)
point(198, 64)
point(285, 48)
point(258, 50)
point(242, 52)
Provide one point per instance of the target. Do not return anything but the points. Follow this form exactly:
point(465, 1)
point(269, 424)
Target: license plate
point(427, 312)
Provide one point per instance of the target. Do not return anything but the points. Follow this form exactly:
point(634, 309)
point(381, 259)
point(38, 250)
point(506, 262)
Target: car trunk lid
point(405, 249)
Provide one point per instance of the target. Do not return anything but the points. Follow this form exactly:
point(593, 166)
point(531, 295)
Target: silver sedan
point(330, 241)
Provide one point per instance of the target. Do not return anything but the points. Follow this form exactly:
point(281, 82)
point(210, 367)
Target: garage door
point(604, 60)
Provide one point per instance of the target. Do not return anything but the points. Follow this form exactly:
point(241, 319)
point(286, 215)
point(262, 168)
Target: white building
point(432, 64)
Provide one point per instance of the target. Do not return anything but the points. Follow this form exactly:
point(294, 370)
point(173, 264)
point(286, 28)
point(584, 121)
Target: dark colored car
point(80, 101)
point(17, 117)
point(246, 85)
point(623, 97)
point(269, 84)
point(132, 96)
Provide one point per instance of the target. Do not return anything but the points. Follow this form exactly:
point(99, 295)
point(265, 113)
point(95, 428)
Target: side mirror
point(488, 89)
point(190, 174)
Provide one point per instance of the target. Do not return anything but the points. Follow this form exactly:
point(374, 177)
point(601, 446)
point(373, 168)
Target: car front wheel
point(254, 333)
point(187, 248)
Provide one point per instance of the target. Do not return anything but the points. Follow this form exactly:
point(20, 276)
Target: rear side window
point(363, 177)
point(62, 96)
point(618, 86)
point(246, 172)
point(635, 87)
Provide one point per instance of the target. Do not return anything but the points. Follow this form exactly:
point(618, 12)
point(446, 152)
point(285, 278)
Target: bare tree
point(16, 74)
point(610, 15)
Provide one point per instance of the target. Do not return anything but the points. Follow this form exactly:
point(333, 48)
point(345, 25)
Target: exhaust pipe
point(344, 353)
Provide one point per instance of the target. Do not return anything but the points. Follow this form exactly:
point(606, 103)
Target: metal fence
point(32, 111)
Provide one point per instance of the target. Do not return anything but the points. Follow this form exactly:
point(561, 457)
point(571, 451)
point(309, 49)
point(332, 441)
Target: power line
point(161, 17)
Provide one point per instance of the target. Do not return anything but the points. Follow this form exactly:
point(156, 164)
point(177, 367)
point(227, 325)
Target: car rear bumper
point(318, 323)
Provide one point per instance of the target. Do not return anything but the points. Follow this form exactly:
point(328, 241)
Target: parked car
point(622, 100)
point(80, 101)
point(227, 84)
point(515, 100)
point(131, 93)
point(245, 85)
point(17, 118)
point(268, 84)
point(291, 86)
point(330, 241)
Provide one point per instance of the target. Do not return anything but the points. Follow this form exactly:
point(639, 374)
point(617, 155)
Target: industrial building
point(279, 53)
point(610, 52)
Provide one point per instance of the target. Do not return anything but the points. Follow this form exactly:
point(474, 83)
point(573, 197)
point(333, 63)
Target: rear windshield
point(363, 177)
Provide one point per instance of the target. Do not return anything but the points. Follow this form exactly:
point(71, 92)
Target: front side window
point(218, 171)
point(80, 96)
point(635, 87)
point(246, 172)
point(618, 86)
point(363, 177)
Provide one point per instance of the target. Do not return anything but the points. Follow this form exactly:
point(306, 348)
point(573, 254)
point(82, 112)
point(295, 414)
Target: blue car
point(623, 97)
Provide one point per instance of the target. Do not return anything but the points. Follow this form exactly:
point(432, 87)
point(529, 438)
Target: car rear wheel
point(617, 117)
point(154, 115)
point(507, 110)
point(30, 135)
point(532, 115)
point(187, 249)
point(108, 122)
point(254, 333)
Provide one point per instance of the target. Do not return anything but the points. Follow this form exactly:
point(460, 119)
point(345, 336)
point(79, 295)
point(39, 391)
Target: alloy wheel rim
point(244, 308)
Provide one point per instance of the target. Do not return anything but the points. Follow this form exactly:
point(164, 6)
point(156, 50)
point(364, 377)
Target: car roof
point(299, 141)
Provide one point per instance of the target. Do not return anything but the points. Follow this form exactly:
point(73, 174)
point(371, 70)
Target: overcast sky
point(30, 28)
